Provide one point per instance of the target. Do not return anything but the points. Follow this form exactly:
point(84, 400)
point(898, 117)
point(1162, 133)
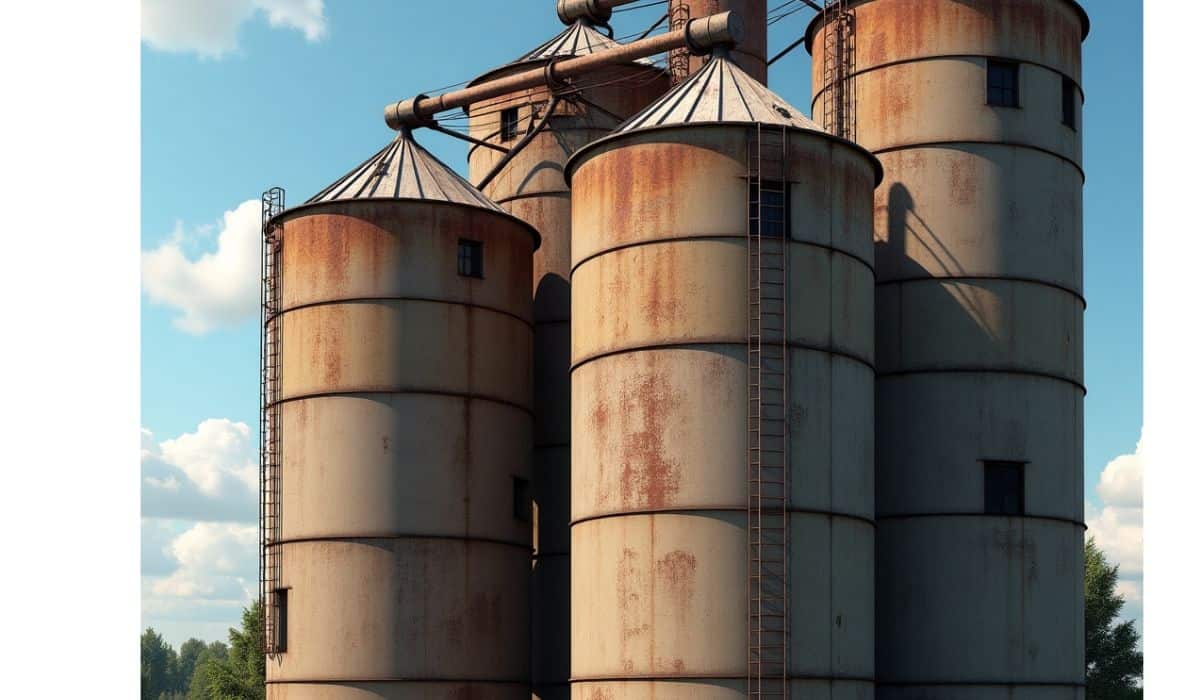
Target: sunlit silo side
point(973, 107)
point(750, 53)
point(531, 187)
point(406, 432)
point(674, 218)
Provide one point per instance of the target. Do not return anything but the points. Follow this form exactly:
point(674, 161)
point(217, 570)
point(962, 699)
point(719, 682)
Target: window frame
point(279, 609)
point(470, 258)
point(997, 504)
point(1015, 89)
point(510, 123)
point(768, 227)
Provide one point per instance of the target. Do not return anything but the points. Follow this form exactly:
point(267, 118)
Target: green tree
point(159, 665)
point(1114, 665)
point(241, 674)
point(198, 688)
point(189, 654)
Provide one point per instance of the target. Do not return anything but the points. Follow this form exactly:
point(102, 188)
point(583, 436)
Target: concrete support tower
point(665, 585)
point(750, 54)
point(973, 107)
point(530, 185)
point(405, 410)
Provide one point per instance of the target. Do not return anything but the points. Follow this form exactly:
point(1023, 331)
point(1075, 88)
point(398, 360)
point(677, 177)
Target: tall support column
point(972, 106)
point(751, 53)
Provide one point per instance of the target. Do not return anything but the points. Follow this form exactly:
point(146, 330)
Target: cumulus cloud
point(1117, 524)
point(218, 288)
point(210, 27)
point(210, 474)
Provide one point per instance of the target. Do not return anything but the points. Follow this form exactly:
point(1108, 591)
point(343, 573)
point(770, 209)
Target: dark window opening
point(522, 503)
point(281, 619)
point(1003, 84)
point(1004, 488)
point(772, 208)
point(470, 258)
point(509, 119)
point(1068, 102)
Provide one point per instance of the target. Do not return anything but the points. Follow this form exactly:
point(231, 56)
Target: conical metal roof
point(579, 39)
point(404, 170)
point(719, 92)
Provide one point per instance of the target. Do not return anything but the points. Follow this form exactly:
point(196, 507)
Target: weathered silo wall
point(979, 310)
point(660, 486)
point(406, 399)
point(751, 52)
point(532, 188)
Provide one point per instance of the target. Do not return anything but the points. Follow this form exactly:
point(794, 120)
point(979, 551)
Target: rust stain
point(649, 474)
point(678, 571)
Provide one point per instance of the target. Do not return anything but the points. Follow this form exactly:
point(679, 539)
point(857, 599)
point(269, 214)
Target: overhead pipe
point(700, 36)
point(598, 11)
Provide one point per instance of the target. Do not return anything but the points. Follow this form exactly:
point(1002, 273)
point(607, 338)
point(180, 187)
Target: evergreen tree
point(241, 675)
point(159, 665)
point(1113, 663)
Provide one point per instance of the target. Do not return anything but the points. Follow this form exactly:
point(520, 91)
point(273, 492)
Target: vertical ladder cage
point(679, 62)
point(840, 118)
point(268, 425)
point(767, 412)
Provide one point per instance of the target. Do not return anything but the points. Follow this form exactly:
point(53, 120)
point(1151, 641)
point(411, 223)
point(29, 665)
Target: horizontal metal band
point(963, 514)
point(703, 343)
point(1017, 684)
point(973, 142)
point(946, 56)
point(989, 278)
point(667, 677)
point(718, 237)
point(531, 195)
point(343, 681)
point(401, 392)
point(425, 300)
point(356, 538)
point(981, 370)
point(741, 508)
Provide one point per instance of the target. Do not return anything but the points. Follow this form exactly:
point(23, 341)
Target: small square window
point(1003, 83)
point(1004, 488)
point(280, 611)
point(1068, 102)
point(522, 503)
point(509, 119)
point(772, 208)
point(470, 258)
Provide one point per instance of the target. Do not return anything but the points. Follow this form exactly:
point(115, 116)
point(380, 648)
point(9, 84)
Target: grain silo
point(750, 53)
point(722, 381)
point(398, 535)
point(542, 127)
point(973, 107)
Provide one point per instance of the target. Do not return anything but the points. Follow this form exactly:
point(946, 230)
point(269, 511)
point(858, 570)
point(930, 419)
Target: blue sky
point(238, 99)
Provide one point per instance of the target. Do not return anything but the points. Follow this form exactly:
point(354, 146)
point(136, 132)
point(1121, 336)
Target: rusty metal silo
point(722, 384)
point(400, 546)
point(973, 107)
point(529, 184)
point(750, 53)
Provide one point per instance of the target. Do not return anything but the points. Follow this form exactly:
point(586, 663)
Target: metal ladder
point(839, 104)
point(268, 426)
point(679, 63)
point(767, 413)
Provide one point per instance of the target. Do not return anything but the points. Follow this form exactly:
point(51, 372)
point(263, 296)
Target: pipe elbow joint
point(571, 11)
point(403, 114)
point(704, 34)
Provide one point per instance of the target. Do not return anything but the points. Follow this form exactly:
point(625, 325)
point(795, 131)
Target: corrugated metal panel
point(404, 170)
point(720, 92)
point(579, 39)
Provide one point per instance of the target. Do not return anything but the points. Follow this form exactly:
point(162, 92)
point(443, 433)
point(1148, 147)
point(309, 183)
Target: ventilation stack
point(973, 107)
point(750, 54)
point(531, 186)
point(722, 381)
point(405, 413)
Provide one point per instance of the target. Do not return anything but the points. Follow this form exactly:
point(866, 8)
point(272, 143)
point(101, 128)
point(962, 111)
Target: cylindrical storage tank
point(973, 108)
point(661, 417)
point(405, 406)
point(531, 187)
point(750, 53)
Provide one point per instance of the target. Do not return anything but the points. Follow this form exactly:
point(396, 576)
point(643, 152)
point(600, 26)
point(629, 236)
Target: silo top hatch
point(404, 171)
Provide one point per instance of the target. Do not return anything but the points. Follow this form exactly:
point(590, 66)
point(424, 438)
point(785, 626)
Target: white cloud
point(217, 561)
point(1117, 525)
point(210, 474)
point(219, 288)
point(210, 27)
